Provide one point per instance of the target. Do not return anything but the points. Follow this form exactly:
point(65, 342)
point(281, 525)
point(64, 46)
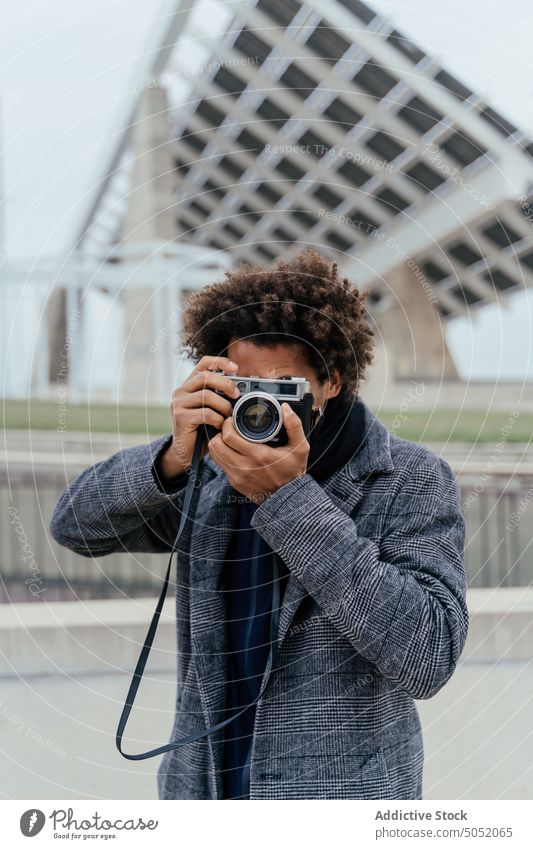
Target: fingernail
point(233, 365)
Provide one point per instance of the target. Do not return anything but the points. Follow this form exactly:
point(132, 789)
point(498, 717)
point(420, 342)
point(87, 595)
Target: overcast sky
point(65, 67)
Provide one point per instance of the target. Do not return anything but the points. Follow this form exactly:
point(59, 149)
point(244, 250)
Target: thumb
point(293, 425)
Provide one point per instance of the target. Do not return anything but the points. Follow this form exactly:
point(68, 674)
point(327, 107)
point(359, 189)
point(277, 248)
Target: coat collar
point(344, 487)
point(374, 454)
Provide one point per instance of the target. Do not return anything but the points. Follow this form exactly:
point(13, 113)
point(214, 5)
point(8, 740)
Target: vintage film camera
point(257, 414)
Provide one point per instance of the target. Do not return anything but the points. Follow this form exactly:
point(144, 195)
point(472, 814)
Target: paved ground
point(57, 735)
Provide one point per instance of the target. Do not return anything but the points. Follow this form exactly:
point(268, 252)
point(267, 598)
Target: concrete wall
point(102, 636)
point(58, 719)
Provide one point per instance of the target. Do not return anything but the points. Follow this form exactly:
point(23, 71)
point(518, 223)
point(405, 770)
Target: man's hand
point(194, 403)
point(256, 470)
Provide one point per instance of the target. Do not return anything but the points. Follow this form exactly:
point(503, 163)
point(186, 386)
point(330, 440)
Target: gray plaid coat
point(373, 617)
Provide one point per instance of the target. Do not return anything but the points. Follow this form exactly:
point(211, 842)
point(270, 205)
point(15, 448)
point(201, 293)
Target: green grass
point(419, 425)
point(475, 426)
point(99, 418)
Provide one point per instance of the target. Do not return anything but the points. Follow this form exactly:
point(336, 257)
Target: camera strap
point(187, 514)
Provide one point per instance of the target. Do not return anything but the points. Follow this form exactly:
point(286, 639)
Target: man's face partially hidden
point(283, 360)
point(257, 470)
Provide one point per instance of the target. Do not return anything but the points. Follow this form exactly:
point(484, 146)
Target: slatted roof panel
point(295, 133)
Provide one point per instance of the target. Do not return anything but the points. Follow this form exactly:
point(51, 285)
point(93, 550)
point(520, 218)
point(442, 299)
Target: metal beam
point(443, 216)
point(171, 24)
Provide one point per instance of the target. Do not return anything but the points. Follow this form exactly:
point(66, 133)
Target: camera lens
point(257, 417)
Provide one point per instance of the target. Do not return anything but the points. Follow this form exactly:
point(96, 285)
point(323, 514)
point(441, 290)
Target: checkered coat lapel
point(344, 488)
point(346, 495)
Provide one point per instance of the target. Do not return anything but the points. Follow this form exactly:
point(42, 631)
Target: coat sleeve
point(117, 505)
point(401, 603)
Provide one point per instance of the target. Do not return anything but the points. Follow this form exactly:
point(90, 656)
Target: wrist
point(263, 495)
point(170, 464)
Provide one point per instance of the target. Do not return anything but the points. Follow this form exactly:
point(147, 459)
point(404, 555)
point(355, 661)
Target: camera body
point(257, 414)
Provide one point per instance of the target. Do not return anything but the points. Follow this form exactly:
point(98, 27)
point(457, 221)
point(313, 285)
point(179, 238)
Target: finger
point(257, 454)
point(209, 380)
point(207, 398)
point(222, 453)
point(293, 426)
point(215, 443)
point(233, 438)
point(222, 363)
point(204, 415)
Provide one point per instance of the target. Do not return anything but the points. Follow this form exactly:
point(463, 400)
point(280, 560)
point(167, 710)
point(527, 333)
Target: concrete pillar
point(149, 215)
point(412, 330)
point(56, 318)
point(149, 218)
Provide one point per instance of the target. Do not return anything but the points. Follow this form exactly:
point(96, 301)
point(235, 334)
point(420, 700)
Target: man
point(368, 529)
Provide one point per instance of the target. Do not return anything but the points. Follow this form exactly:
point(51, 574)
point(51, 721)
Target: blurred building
point(262, 126)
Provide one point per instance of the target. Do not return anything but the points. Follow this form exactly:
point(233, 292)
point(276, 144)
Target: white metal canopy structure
point(319, 123)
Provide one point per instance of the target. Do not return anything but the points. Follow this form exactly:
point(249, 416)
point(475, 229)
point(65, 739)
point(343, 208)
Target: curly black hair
point(301, 300)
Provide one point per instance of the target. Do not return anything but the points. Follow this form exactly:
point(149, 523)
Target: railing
point(498, 507)
point(165, 271)
point(33, 565)
point(499, 548)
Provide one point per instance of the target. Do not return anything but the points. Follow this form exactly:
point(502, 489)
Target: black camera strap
point(187, 515)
